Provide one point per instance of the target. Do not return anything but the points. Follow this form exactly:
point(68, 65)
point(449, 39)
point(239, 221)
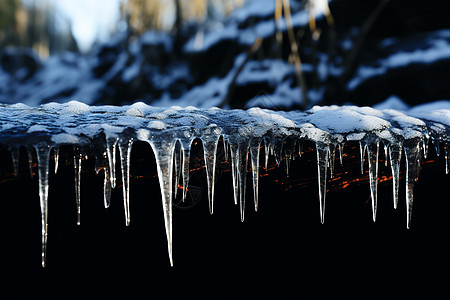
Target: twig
point(227, 99)
point(350, 61)
point(296, 56)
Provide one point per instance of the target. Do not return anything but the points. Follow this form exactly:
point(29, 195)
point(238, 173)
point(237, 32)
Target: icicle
point(77, 167)
point(107, 188)
point(412, 154)
point(300, 148)
point(425, 145)
point(332, 158)
point(15, 160)
point(436, 146)
point(185, 167)
point(210, 154)
point(341, 153)
point(386, 155)
point(101, 162)
point(254, 152)
point(234, 172)
point(277, 148)
point(362, 150)
point(322, 165)
point(56, 158)
point(177, 164)
point(125, 156)
point(287, 158)
point(447, 162)
point(372, 157)
point(239, 158)
point(43, 156)
point(395, 154)
point(289, 148)
point(266, 153)
point(225, 149)
point(111, 148)
point(30, 161)
point(164, 150)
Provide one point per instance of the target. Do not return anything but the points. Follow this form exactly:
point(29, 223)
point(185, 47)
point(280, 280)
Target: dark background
point(282, 250)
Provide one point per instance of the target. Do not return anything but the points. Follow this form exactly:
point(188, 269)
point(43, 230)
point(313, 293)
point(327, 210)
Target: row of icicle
point(173, 156)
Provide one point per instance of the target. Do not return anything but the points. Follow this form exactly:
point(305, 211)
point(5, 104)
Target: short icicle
point(322, 165)
point(106, 188)
point(255, 145)
point(362, 151)
point(77, 168)
point(447, 159)
point(372, 158)
point(395, 155)
point(101, 163)
point(412, 155)
point(266, 153)
point(210, 143)
point(185, 168)
point(111, 148)
point(43, 156)
point(125, 158)
point(277, 148)
point(289, 148)
point(177, 165)
point(164, 150)
point(56, 158)
point(341, 153)
point(234, 172)
point(425, 142)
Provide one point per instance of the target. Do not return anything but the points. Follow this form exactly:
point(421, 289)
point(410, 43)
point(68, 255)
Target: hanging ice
point(108, 133)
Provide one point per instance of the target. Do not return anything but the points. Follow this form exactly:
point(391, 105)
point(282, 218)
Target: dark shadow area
point(280, 251)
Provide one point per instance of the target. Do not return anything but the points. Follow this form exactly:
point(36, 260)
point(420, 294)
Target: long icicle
point(77, 168)
point(395, 155)
point(164, 150)
point(242, 175)
point(372, 158)
point(43, 156)
point(125, 158)
point(322, 165)
point(255, 145)
point(210, 154)
point(412, 154)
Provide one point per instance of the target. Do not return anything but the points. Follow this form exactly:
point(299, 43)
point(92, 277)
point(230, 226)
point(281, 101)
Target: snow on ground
point(438, 48)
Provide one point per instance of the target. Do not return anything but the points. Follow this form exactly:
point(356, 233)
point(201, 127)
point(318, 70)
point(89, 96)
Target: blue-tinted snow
point(438, 48)
point(263, 9)
point(67, 122)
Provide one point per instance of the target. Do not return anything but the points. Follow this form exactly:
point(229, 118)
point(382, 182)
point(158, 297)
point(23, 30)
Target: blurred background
point(279, 54)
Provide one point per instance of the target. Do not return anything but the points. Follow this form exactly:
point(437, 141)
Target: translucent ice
point(108, 133)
